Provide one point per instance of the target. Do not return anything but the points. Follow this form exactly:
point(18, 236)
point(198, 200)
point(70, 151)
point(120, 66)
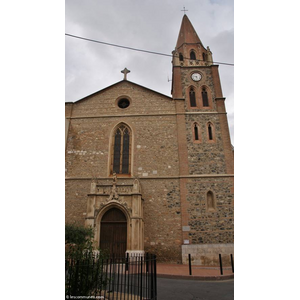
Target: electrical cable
point(134, 49)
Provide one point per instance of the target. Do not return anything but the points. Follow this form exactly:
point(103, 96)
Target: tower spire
point(187, 33)
point(189, 53)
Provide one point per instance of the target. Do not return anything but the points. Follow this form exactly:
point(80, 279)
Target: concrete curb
point(196, 277)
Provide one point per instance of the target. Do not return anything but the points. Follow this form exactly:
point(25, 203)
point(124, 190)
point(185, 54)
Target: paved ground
point(198, 272)
point(181, 289)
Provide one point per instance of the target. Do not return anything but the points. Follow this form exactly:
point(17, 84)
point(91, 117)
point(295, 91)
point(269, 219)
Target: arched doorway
point(113, 232)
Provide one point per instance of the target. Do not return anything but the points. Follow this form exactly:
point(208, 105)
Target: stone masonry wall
point(154, 137)
point(154, 146)
point(205, 157)
point(76, 200)
point(162, 218)
point(104, 103)
point(210, 226)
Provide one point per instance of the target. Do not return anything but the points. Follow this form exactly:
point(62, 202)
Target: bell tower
point(196, 89)
point(204, 146)
point(189, 53)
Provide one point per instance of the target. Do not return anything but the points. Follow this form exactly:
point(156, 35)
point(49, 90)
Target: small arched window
point(121, 150)
point(180, 57)
point(192, 55)
point(210, 132)
point(192, 98)
point(204, 97)
point(211, 205)
point(204, 56)
point(196, 133)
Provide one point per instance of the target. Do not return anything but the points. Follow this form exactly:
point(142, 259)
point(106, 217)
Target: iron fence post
point(155, 278)
point(221, 268)
point(190, 264)
point(141, 291)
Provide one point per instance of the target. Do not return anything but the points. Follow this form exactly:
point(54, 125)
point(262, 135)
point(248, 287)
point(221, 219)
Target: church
point(153, 173)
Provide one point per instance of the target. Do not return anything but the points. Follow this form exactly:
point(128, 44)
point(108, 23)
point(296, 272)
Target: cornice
point(148, 115)
point(154, 177)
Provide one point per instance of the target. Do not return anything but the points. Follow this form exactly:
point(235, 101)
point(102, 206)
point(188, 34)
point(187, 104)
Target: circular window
point(123, 103)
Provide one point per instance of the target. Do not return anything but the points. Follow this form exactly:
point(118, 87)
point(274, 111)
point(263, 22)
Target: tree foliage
point(84, 269)
point(77, 234)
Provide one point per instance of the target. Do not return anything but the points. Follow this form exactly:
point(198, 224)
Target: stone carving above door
point(126, 197)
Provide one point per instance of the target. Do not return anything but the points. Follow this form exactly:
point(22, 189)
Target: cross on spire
point(184, 10)
point(125, 72)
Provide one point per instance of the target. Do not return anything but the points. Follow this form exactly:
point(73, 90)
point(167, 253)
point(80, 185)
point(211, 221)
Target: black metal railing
point(128, 278)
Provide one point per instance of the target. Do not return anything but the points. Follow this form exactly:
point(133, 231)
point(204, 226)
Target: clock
point(196, 76)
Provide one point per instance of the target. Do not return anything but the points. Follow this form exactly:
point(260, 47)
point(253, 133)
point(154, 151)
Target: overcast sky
point(151, 25)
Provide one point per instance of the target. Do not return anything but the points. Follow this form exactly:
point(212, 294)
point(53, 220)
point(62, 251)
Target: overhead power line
point(133, 49)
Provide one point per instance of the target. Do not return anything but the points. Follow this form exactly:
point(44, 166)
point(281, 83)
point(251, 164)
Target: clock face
point(196, 76)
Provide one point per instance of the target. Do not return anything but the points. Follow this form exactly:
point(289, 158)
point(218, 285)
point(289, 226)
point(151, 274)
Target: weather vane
point(184, 10)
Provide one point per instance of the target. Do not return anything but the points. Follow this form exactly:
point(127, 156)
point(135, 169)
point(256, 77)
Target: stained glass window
point(125, 160)
point(117, 151)
point(121, 150)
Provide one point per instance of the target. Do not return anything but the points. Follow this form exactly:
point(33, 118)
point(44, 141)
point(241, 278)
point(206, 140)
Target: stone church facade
point(152, 173)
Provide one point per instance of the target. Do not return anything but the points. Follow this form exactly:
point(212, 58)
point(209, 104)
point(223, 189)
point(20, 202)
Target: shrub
point(84, 271)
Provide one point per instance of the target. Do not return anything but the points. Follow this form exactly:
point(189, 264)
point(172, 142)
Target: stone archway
point(126, 201)
point(113, 232)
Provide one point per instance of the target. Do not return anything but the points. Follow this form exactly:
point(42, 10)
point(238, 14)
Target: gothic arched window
point(204, 56)
point(192, 98)
point(180, 57)
point(192, 55)
point(204, 97)
point(121, 150)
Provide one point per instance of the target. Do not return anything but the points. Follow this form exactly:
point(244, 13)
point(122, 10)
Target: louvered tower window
point(204, 97)
point(192, 98)
point(121, 150)
point(192, 55)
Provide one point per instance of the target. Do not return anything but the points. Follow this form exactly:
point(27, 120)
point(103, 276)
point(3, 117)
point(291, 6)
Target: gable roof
point(117, 83)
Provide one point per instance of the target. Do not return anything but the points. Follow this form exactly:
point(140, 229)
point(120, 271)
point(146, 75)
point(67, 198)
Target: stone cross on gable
point(125, 72)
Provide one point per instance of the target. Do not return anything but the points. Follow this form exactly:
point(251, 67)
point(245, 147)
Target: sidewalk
point(198, 272)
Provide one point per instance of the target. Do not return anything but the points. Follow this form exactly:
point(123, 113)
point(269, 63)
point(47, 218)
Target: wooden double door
point(113, 233)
